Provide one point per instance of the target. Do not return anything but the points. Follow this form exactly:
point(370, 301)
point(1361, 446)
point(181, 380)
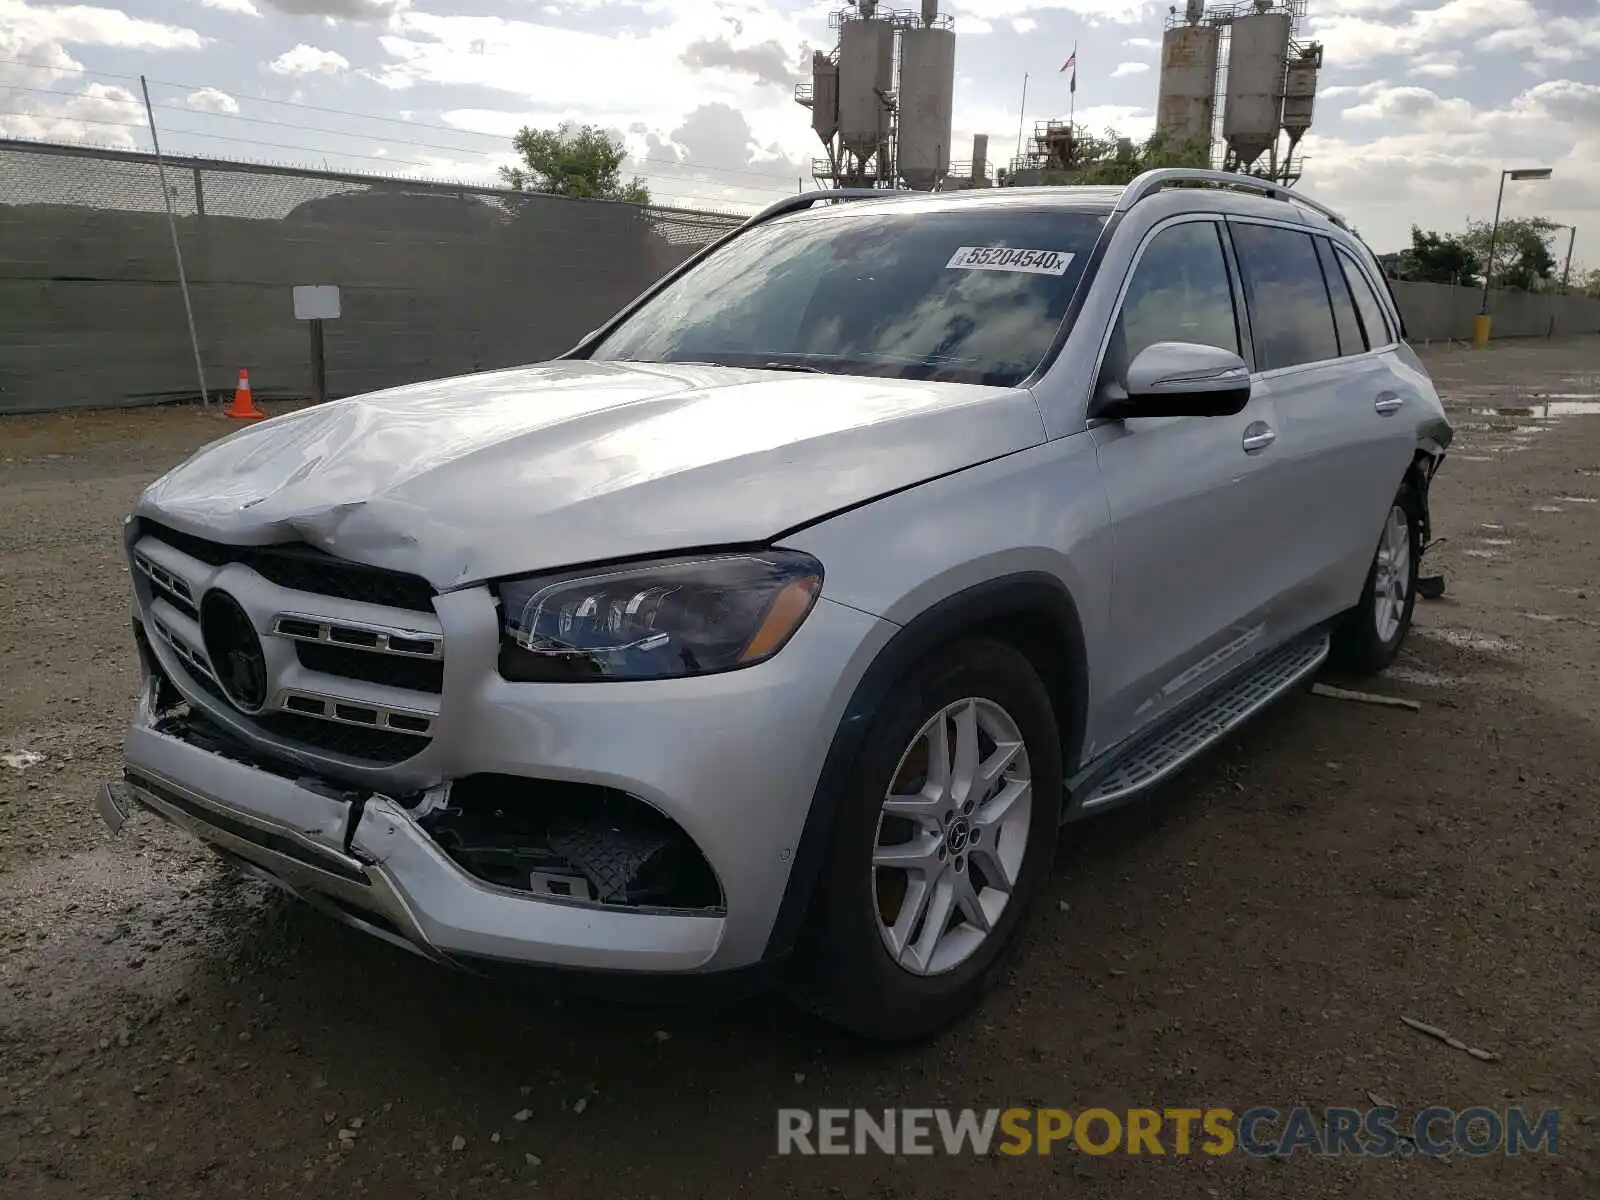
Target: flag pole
point(1072, 102)
point(1022, 114)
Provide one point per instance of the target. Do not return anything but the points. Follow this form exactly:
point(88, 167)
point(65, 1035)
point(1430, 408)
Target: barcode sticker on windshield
point(1007, 258)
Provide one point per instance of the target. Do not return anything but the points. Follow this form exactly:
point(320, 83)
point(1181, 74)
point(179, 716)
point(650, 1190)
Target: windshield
point(964, 297)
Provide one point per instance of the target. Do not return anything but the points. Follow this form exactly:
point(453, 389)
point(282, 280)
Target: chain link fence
point(435, 279)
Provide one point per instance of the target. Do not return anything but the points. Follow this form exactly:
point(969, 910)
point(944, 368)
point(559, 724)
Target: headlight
point(658, 620)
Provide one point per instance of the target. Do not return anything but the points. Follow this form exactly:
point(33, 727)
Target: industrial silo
point(1253, 99)
point(927, 88)
point(1186, 93)
point(866, 74)
point(1300, 94)
point(824, 96)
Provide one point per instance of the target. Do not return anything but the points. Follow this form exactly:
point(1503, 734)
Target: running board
point(1154, 757)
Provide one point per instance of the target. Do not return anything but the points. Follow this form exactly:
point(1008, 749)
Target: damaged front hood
point(568, 462)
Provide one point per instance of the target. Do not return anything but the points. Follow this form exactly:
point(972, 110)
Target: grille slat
point(399, 657)
point(304, 568)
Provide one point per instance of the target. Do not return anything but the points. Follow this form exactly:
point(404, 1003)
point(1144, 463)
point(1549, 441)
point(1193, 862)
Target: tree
point(1439, 258)
point(1116, 160)
point(1522, 258)
point(583, 161)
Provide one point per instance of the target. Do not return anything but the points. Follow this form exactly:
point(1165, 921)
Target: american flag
point(1072, 65)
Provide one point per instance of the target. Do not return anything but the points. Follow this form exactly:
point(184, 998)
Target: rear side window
point(1375, 324)
point(1345, 321)
point(1291, 319)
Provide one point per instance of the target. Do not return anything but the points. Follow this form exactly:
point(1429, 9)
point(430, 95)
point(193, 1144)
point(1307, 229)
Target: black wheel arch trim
point(1022, 593)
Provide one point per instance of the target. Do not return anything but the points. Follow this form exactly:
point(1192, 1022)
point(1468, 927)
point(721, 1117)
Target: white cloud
point(87, 26)
point(1435, 160)
point(308, 60)
point(1515, 27)
point(108, 116)
point(647, 79)
point(1142, 43)
point(242, 7)
point(347, 10)
point(1129, 68)
point(212, 100)
point(1123, 11)
point(34, 55)
point(1024, 24)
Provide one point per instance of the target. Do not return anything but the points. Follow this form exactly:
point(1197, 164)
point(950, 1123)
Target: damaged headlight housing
point(657, 620)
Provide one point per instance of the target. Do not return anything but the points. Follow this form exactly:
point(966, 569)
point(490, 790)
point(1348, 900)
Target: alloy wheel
point(952, 835)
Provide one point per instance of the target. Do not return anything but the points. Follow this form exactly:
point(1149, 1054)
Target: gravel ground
point(1251, 935)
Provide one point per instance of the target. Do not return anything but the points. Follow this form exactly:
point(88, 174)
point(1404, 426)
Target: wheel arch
point(1425, 463)
point(1032, 611)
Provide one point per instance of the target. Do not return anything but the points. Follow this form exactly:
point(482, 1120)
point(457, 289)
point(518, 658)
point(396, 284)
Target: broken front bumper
point(370, 864)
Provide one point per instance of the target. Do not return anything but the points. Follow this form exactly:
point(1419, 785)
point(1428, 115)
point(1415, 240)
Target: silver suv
point(774, 630)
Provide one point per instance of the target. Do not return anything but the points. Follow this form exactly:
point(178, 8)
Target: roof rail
point(807, 199)
point(1151, 182)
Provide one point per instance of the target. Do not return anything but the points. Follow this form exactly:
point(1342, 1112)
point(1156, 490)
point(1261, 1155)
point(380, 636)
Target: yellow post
point(1480, 329)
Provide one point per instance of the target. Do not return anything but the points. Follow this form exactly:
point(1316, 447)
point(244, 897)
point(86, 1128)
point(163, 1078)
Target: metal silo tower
point(881, 100)
point(1238, 71)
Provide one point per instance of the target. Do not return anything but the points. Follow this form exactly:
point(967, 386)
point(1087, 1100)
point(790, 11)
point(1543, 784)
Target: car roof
point(1083, 199)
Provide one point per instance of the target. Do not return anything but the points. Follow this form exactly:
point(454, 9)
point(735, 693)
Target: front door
point(1189, 497)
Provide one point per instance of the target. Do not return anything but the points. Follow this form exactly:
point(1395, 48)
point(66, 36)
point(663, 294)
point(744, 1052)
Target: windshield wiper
point(792, 366)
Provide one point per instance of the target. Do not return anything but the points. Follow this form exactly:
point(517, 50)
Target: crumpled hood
point(569, 462)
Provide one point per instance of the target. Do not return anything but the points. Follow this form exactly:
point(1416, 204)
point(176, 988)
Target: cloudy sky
point(1421, 104)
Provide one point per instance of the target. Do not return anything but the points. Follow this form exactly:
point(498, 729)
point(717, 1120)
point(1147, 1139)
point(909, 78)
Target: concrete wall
point(1436, 312)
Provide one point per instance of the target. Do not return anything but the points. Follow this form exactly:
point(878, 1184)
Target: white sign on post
point(316, 302)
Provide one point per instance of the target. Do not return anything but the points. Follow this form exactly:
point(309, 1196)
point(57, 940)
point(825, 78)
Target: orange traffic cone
point(244, 405)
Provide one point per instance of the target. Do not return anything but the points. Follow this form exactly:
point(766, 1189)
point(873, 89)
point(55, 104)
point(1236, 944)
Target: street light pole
point(1480, 327)
point(1494, 231)
point(1572, 236)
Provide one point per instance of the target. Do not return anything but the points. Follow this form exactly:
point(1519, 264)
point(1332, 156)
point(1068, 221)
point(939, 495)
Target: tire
point(845, 970)
point(1365, 641)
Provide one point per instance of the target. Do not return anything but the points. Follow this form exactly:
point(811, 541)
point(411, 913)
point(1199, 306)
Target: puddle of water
point(1558, 404)
point(1496, 541)
point(1490, 525)
point(1467, 640)
point(1547, 508)
point(1472, 457)
point(1535, 616)
point(21, 760)
point(1471, 553)
point(1420, 678)
point(1578, 500)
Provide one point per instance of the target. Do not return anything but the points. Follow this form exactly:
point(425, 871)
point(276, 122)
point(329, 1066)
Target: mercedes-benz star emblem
point(960, 834)
point(234, 650)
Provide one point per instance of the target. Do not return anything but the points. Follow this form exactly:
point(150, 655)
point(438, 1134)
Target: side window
point(1345, 321)
point(1180, 292)
point(1291, 319)
point(1367, 303)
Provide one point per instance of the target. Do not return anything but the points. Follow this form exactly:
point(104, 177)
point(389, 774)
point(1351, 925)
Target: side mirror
point(1178, 379)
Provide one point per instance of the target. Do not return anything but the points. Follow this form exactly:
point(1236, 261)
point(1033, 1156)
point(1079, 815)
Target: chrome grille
point(354, 662)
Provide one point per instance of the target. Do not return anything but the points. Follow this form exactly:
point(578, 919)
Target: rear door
point(1341, 459)
point(1189, 497)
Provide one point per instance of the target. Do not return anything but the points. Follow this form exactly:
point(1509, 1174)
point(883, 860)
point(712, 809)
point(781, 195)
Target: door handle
point(1388, 402)
point(1258, 435)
